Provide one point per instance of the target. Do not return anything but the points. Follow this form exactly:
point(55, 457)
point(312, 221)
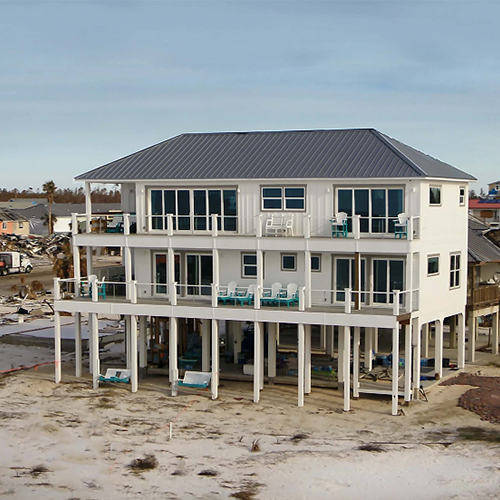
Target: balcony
point(283, 225)
point(347, 301)
point(483, 296)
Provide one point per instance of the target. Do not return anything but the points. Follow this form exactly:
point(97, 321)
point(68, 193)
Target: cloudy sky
point(84, 83)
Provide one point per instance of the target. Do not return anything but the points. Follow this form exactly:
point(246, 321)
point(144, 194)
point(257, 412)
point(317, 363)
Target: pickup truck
point(14, 262)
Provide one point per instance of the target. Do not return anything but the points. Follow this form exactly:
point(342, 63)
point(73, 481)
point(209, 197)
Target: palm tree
point(49, 188)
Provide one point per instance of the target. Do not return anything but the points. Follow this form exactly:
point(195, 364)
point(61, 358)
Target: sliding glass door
point(199, 272)
point(345, 277)
point(161, 273)
point(388, 275)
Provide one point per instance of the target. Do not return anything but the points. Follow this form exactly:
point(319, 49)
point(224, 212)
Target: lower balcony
point(279, 298)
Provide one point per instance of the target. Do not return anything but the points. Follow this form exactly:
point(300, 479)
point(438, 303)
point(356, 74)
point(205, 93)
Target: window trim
point(435, 186)
point(433, 256)
point(283, 198)
point(4, 225)
point(462, 198)
point(243, 275)
point(288, 254)
point(457, 271)
point(318, 255)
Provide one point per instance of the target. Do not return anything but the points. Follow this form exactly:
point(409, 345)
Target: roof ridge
point(398, 152)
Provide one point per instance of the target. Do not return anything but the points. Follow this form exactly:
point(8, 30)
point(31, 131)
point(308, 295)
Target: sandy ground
point(68, 441)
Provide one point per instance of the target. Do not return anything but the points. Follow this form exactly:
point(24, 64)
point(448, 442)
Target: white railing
point(346, 300)
point(103, 223)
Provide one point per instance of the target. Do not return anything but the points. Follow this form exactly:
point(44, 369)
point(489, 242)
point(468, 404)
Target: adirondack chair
point(292, 295)
point(288, 226)
point(248, 297)
point(401, 227)
point(198, 380)
point(274, 225)
point(339, 225)
point(116, 375)
point(272, 295)
point(227, 295)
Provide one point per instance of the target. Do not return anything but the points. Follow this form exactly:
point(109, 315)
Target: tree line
point(63, 195)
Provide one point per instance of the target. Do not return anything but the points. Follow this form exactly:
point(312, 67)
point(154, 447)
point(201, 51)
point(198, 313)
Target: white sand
point(86, 439)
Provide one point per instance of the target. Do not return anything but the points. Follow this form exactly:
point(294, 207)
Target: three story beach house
point(339, 233)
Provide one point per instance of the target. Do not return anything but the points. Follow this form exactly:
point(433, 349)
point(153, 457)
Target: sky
point(84, 83)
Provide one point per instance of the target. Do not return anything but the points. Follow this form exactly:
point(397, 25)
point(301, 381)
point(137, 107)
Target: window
point(283, 198)
point(248, 265)
point(288, 262)
point(432, 265)
point(192, 209)
point(454, 270)
point(316, 263)
point(378, 208)
point(461, 196)
point(388, 275)
point(435, 195)
point(21, 225)
point(4, 225)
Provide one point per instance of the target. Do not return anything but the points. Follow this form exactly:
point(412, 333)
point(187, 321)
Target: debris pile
point(34, 246)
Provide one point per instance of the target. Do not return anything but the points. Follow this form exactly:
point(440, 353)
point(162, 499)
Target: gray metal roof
point(11, 216)
point(66, 209)
point(352, 153)
point(480, 247)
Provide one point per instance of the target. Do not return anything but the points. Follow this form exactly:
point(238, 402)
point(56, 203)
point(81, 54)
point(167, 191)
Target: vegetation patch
point(374, 448)
point(148, 462)
point(478, 434)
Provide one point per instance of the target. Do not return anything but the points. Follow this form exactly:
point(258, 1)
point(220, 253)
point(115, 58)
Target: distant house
point(483, 277)
point(487, 211)
point(38, 214)
point(13, 223)
point(21, 203)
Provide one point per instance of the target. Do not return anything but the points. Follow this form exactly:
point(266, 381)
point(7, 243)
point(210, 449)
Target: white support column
point(127, 257)
point(215, 264)
point(494, 333)
point(368, 362)
point(127, 342)
point(330, 341)
point(260, 269)
point(416, 340)
point(143, 343)
point(425, 340)
point(340, 355)
point(95, 350)
point(88, 209)
point(134, 378)
point(172, 355)
point(256, 361)
point(237, 340)
point(215, 359)
point(205, 345)
point(308, 278)
point(395, 369)
point(346, 355)
point(90, 267)
point(438, 355)
point(262, 363)
point(76, 269)
point(453, 332)
point(375, 340)
point(57, 346)
point(307, 361)
point(355, 362)
point(408, 360)
point(78, 344)
point(89, 344)
point(461, 340)
point(271, 351)
point(301, 363)
point(471, 344)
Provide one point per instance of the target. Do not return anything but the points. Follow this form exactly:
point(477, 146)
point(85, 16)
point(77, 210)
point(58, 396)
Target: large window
point(454, 270)
point(378, 208)
point(388, 275)
point(345, 270)
point(284, 198)
point(192, 209)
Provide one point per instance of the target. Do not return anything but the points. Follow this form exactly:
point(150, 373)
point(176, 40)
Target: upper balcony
point(277, 225)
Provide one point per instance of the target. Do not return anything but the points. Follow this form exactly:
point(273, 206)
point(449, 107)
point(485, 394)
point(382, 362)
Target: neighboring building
point(259, 215)
point(13, 223)
point(487, 211)
point(483, 274)
point(38, 215)
point(21, 203)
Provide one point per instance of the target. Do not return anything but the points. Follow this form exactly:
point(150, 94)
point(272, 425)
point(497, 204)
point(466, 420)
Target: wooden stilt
point(461, 340)
point(408, 360)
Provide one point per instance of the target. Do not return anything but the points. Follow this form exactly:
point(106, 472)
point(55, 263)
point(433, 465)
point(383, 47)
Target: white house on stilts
point(341, 234)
